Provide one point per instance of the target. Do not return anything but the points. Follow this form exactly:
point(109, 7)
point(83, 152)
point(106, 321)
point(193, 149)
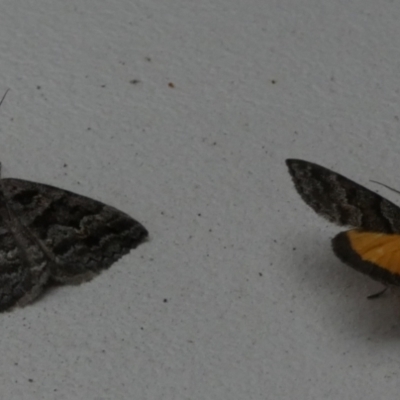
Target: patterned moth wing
point(373, 248)
point(49, 235)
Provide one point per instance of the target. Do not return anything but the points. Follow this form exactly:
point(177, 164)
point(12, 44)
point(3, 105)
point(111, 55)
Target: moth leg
point(379, 294)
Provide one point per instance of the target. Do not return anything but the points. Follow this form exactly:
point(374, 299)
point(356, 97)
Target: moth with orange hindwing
point(373, 245)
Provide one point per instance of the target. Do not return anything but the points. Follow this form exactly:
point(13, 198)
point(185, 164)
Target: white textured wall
point(237, 294)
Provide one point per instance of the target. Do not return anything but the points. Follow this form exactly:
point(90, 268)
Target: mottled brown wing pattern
point(49, 234)
point(341, 200)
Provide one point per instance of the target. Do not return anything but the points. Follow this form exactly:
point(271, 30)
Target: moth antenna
point(382, 184)
point(1, 102)
point(4, 96)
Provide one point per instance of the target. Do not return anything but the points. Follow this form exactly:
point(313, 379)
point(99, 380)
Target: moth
point(372, 246)
point(52, 236)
